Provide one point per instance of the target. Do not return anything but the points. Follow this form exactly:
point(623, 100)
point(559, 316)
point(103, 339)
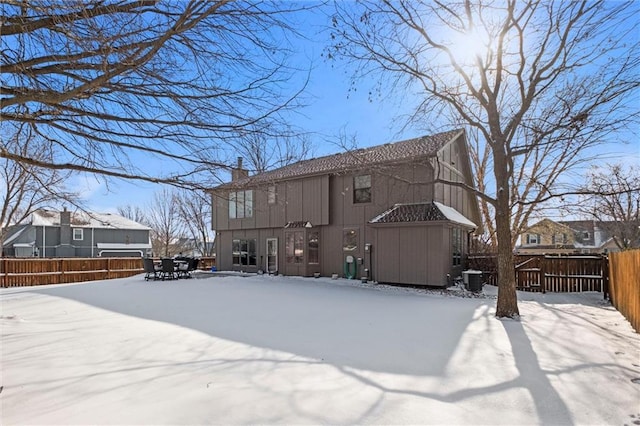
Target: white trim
point(31, 244)
point(123, 246)
point(120, 251)
point(81, 234)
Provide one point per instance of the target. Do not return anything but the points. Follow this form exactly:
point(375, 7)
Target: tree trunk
point(507, 305)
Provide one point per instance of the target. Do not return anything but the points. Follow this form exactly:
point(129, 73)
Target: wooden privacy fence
point(18, 272)
point(624, 285)
point(554, 273)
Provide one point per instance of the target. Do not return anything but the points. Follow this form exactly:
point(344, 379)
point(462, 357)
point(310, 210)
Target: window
point(349, 240)
point(78, 234)
point(313, 245)
point(533, 239)
point(244, 252)
point(240, 204)
point(362, 189)
point(271, 194)
point(456, 246)
point(559, 239)
point(585, 235)
point(294, 247)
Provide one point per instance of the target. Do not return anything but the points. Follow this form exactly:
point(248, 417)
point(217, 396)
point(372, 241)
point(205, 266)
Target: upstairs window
point(78, 234)
point(362, 189)
point(533, 239)
point(240, 204)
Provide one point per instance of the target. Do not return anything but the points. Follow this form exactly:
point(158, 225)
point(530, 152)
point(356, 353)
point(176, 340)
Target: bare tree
point(540, 82)
point(612, 197)
point(26, 188)
point(194, 210)
point(167, 230)
point(265, 152)
point(134, 213)
point(114, 87)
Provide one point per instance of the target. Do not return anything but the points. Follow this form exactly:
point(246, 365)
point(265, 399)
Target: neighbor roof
point(380, 154)
point(85, 220)
point(422, 212)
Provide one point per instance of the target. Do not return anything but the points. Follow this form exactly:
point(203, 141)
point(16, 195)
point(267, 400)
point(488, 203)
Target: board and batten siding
point(413, 254)
point(296, 200)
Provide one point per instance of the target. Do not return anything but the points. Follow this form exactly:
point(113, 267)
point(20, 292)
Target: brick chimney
point(65, 227)
point(238, 172)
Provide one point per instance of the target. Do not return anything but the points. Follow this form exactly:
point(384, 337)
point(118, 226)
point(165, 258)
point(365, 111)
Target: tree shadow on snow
point(400, 333)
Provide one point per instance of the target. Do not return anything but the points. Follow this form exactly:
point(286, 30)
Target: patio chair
point(151, 269)
point(193, 265)
point(183, 268)
point(168, 270)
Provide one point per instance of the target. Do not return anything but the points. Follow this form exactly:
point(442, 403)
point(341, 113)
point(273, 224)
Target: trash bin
point(475, 281)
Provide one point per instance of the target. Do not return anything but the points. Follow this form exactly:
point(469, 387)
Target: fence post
point(605, 277)
point(543, 273)
point(4, 272)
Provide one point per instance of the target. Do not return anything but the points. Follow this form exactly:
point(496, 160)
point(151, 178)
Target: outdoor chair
point(183, 269)
point(168, 270)
point(151, 269)
point(193, 264)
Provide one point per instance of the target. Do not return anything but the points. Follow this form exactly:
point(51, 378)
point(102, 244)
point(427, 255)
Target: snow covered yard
point(283, 350)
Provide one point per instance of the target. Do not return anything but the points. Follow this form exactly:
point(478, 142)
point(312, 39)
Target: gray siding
point(48, 240)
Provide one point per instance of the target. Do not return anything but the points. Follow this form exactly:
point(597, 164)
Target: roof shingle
point(388, 153)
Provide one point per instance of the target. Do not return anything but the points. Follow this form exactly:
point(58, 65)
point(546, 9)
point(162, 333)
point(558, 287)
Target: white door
point(272, 255)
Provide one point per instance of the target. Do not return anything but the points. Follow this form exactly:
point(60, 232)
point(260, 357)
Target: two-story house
point(378, 212)
point(572, 237)
point(48, 233)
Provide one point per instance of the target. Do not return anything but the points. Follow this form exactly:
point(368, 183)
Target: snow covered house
point(374, 212)
point(48, 233)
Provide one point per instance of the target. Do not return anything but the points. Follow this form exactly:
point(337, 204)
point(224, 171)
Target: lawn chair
point(168, 270)
point(151, 269)
point(193, 265)
point(183, 268)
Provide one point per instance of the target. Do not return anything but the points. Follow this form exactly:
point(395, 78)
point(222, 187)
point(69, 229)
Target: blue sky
point(332, 109)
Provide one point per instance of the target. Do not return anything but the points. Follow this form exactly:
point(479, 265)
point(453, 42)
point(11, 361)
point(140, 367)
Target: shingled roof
point(422, 212)
point(424, 146)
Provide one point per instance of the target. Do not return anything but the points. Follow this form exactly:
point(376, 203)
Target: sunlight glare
point(467, 46)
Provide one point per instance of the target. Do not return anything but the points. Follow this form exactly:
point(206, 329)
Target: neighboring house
point(49, 233)
point(568, 237)
point(193, 248)
point(373, 212)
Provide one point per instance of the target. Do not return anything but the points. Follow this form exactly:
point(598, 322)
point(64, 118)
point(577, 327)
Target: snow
point(454, 215)
point(234, 349)
point(82, 219)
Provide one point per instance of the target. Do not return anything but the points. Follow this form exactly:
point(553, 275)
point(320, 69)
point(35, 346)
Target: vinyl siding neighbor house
point(48, 233)
point(574, 237)
point(374, 212)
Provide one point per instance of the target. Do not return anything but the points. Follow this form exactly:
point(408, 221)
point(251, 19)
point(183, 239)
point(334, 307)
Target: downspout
point(43, 252)
point(92, 244)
